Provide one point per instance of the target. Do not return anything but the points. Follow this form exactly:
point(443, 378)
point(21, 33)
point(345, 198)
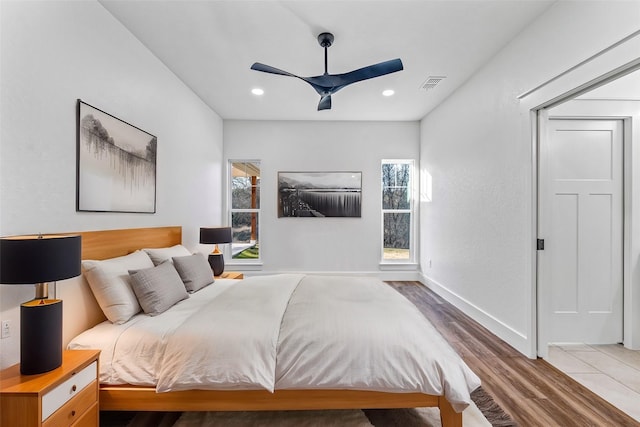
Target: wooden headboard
point(106, 244)
point(80, 309)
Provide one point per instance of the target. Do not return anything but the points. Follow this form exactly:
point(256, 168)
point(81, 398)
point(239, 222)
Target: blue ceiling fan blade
point(325, 103)
point(269, 69)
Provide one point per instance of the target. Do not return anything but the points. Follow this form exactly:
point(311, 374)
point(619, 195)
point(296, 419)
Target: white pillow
point(157, 288)
point(111, 285)
point(160, 255)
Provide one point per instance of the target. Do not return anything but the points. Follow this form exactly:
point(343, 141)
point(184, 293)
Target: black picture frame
point(319, 194)
point(116, 164)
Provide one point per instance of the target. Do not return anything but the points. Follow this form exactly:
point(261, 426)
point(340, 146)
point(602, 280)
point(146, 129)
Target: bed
point(302, 379)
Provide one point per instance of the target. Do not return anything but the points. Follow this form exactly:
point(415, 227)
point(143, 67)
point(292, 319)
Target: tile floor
point(611, 371)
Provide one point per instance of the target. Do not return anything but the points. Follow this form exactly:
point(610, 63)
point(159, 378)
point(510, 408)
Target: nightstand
point(67, 395)
point(230, 275)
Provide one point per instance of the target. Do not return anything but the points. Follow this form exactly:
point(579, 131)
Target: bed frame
point(113, 243)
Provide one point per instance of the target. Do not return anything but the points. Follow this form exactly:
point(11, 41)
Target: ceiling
point(210, 45)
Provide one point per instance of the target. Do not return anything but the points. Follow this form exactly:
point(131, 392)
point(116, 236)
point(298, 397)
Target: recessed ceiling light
point(388, 92)
point(257, 91)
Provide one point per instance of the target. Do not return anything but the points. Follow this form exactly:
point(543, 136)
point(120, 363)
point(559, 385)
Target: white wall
point(321, 244)
point(476, 145)
point(54, 52)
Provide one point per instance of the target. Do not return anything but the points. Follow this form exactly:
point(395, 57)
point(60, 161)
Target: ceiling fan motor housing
point(325, 39)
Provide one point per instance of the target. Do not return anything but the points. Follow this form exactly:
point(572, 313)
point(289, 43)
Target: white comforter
point(285, 332)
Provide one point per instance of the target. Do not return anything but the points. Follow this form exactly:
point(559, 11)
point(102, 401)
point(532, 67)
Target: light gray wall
point(54, 52)
point(477, 230)
point(321, 244)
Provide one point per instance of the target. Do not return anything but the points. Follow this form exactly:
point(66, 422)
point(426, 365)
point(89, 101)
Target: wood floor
point(533, 392)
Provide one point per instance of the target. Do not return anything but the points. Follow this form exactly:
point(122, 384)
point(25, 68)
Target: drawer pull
point(74, 388)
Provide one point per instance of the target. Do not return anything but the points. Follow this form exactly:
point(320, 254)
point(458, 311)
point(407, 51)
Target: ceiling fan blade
point(325, 103)
point(341, 80)
point(325, 100)
point(334, 82)
point(269, 69)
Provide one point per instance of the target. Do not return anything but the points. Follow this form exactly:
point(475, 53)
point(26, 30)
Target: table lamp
point(38, 260)
point(216, 235)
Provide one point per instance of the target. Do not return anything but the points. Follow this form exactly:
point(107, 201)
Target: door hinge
point(540, 245)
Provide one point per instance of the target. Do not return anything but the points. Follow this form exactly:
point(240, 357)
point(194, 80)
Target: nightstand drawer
point(60, 395)
point(89, 419)
point(75, 408)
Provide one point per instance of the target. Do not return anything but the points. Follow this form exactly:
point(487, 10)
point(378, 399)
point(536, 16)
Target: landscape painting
point(116, 169)
point(319, 194)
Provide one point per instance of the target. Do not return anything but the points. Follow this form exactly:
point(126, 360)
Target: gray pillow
point(194, 270)
point(160, 255)
point(157, 288)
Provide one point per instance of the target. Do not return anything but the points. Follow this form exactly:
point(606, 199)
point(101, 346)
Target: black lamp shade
point(39, 259)
point(215, 235)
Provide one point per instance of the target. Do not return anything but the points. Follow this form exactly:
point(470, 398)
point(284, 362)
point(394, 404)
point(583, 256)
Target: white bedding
point(284, 332)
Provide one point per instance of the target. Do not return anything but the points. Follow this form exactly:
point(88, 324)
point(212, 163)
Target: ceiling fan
point(328, 84)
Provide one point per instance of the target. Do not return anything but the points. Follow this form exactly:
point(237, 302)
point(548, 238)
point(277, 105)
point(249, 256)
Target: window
point(245, 209)
point(397, 211)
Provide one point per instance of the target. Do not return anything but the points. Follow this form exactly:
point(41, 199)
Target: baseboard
point(503, 331)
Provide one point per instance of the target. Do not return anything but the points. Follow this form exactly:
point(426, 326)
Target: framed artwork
point(116, 164)
point(319, 194)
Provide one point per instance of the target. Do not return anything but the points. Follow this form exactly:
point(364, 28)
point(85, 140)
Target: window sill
point(387, 265)
point(243, 266)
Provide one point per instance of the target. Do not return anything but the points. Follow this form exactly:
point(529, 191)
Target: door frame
point(544, 116)
point(617, 60)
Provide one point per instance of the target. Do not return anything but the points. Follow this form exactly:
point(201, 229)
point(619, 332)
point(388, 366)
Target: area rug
point(337, 418)
point(417, 417)
point(422, 417)
point(491, 410)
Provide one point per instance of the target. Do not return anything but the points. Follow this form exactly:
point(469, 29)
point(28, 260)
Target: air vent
point(431, 82)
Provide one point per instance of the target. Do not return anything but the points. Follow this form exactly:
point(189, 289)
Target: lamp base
point(216, 261)
point(40, 336)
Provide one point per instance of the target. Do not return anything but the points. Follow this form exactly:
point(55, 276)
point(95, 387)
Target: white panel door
point(581, 221)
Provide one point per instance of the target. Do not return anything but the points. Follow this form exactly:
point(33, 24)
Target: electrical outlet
point(429, 263)
point(6, 328)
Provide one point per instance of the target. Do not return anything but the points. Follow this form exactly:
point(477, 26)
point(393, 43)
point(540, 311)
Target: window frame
point(411, 188)
point(229, 260)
